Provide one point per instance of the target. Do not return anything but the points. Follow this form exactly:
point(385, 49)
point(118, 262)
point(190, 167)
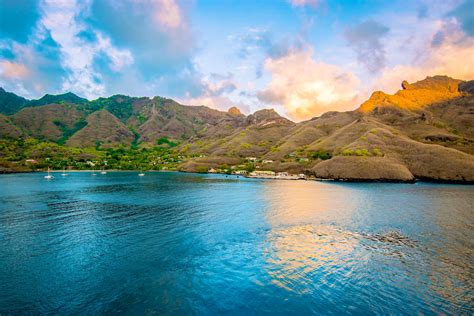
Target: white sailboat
point(141, 174)
point(64, 173)
point(49, 176)
point(104, 165)
point(93, 172)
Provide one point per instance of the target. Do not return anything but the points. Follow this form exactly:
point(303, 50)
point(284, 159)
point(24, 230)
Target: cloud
point(216, 92)
point(168, 14)
point(95, 48)
point(40, 59)
point(365, 39)
point(451, 56)
point(261, 40)
point(307, 88)
point(64, 21)
point(301, 3)
point(13, 70)
point(156, 32)
point(464, 14)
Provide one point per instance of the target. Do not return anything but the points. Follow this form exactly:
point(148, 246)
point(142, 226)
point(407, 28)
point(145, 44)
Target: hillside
point(424, 131)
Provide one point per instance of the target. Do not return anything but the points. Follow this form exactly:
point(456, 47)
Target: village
point(259, 174)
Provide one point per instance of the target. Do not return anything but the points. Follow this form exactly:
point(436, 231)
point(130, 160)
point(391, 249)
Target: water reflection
point(298, 256)
point(172, 243)
point(326, 237)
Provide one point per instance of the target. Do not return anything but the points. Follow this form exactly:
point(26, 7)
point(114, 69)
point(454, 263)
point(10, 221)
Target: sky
point(301, 57)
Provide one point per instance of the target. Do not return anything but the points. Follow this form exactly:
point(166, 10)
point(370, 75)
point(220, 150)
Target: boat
point(103, 172)
point(93, 172)
point(64, 173)
point(49, 176)
point(141, 174)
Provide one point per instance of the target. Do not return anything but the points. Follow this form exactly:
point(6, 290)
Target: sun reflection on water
point(304, 245)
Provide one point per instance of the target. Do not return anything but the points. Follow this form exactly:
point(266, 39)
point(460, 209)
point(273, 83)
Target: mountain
point(10, 102)
point(102, 128)
point(424, 131)
point(57, 99)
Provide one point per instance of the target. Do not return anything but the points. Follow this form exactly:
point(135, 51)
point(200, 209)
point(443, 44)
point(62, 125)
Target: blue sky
point(301, 57)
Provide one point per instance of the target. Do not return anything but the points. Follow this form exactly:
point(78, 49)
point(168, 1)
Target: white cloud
point(62, 20)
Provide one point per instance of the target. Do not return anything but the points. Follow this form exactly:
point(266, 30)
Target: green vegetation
point(362, 152)
point(165, 141)
point(141, 119)
point(68, 131)
point(249, 167)
point(377, 152)
point(274, 149)
point(439, 125)
point(118, 105)
point(321, 154)
point(32, 154)
point(201, 169)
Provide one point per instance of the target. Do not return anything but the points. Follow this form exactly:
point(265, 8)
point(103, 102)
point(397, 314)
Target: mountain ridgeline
point(424, 131)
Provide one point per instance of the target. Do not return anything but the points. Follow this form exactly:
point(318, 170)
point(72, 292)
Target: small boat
point(141, 174)
point(49, 176)
point(93, 172)
point(64, 173)
point(103, 172)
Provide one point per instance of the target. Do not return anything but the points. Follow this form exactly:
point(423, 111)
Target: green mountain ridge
point(425, 131)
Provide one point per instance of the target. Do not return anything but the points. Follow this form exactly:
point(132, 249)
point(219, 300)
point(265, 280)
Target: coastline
point(288, 178)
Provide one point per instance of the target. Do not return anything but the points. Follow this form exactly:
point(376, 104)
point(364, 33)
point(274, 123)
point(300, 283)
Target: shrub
point(321, 154)
point(362, 152)
point(165, 141)
point(141, 119)
point(439, 125)
point(377, 152)
point(202, 169)
point(347, 152)
point(249, 167)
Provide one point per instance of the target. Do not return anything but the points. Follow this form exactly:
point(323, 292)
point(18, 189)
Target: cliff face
point(425, 130)
point(415, 96)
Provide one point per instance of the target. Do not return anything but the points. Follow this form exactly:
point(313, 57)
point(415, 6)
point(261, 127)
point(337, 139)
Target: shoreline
point(288, 178)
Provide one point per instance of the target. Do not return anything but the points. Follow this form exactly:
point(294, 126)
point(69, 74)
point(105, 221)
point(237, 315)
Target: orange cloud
point(306, 88)
point(13, 70)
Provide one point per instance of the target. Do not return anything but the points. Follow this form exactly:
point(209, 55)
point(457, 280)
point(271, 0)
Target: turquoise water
point(173, 243)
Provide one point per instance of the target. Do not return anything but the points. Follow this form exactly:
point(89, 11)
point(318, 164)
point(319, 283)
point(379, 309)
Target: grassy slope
point(425, 130)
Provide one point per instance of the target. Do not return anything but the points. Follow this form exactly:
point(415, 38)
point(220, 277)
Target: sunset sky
point(301, 57)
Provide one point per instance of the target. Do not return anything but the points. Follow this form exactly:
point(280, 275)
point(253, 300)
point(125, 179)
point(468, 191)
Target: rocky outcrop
point(233, 111)
point(415, 96)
